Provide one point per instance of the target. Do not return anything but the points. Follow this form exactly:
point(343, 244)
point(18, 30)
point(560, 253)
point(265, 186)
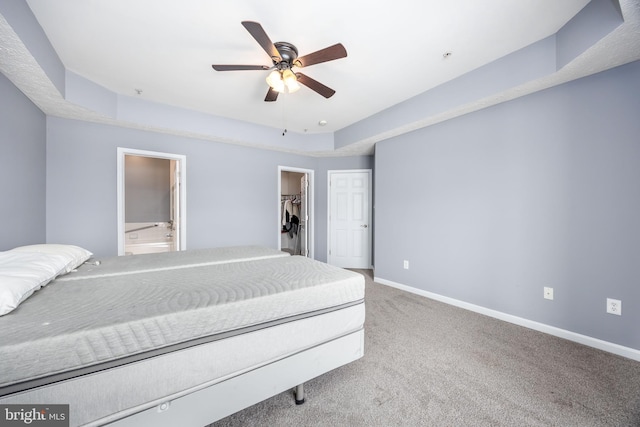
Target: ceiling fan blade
point(323, 55)
point(315, 85)
point(239, 67)
point(272, 95)
point(258, 33)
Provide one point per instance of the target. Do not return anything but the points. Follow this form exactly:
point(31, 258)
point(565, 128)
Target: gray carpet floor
point(431, 364)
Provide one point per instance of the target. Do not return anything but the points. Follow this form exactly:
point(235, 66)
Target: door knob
point(364, 226)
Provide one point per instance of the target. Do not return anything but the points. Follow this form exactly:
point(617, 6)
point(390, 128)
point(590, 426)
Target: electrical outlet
point(406, 264)
point(614, 306)
point(548, 293)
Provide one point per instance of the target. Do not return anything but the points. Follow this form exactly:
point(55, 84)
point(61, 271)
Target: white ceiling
point(165, 48)
point(395, 49)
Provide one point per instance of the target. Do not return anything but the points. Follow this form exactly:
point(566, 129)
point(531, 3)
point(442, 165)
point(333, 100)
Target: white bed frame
point(231, 395)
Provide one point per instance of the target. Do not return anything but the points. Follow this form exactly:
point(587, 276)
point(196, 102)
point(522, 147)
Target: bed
point(182, 338)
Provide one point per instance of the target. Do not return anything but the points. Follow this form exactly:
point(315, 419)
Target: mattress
point(74, 325)
point(114, 393)
point(120, 265)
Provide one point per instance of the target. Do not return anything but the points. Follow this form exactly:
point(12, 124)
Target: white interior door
point(350, 218)
point(304, 217)
point(175, 205)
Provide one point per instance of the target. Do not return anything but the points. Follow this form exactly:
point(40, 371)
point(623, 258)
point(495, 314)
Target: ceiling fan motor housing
point(288, 54)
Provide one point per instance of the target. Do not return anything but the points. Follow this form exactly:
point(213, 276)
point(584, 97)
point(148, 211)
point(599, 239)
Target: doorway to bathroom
point(151, 202)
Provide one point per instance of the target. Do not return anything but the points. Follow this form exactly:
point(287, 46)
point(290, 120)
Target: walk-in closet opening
point(295, 211)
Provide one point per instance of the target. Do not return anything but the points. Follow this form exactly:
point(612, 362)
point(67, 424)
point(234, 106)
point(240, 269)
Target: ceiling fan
point(284, 57)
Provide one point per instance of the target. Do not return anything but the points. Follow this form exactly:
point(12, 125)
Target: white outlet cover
point(548, 293)
point(614, 306)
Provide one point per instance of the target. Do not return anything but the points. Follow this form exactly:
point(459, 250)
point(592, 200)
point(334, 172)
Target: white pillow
point(74, 255)
point(23, 273)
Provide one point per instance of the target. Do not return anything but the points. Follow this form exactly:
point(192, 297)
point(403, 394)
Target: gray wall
point(232, 191)
point(147, 182)
point(541, 191)
point(22, 169)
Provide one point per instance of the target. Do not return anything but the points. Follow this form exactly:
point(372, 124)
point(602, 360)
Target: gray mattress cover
point(118, 265)
point(72, 324)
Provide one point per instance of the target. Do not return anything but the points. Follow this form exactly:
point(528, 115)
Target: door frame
point(182, 160)
point(311, 224)
point(369, 172)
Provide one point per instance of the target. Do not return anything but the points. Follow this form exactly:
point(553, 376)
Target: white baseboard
point(620, 350)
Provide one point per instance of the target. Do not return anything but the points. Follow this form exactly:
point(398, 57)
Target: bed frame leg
point(299, 394)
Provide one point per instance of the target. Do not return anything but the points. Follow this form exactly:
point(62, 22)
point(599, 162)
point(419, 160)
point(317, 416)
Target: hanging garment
point(295, 221)
point(286, 215)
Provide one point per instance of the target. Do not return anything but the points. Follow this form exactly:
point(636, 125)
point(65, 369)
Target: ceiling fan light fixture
point(283, 81)
point(274, 80)
point(290, 81)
